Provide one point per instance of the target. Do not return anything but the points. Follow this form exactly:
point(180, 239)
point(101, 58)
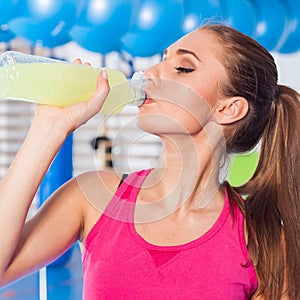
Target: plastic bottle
point(55, 82)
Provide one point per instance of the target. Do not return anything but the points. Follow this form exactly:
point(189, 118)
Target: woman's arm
point(23, 246)
point(52, 230)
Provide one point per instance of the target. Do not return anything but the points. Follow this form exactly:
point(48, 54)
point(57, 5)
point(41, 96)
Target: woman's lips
point(148, 101)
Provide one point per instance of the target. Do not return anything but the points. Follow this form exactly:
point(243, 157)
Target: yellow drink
point(61, 84)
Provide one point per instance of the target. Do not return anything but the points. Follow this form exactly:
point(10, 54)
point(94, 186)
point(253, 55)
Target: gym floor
point(60, 281)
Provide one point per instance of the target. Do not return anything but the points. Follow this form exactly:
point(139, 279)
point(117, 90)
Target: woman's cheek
point(177, 106)
point(167, 118)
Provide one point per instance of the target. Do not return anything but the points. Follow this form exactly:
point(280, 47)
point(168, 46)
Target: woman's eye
point(183, 70)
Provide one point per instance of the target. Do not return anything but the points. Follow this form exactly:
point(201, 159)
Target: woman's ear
point(230, 110)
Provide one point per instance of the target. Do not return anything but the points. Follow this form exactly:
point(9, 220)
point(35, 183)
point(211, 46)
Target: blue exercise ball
point(139, 44)
point(109, 14)
point(198, 12)
point(240, 14)
point(7, 9)
point(47, 22)
point(94, 40)
point(40, 33)
point(6, 35)
point(156, 25)
point(291, 41)
point(271, 23)
point(102, 23)
point(51, 10)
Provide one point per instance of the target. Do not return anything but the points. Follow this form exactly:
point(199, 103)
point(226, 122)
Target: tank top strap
point(121, 207)
point(238, 220)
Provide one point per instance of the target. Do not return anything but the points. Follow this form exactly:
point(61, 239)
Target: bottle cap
point(138, 84)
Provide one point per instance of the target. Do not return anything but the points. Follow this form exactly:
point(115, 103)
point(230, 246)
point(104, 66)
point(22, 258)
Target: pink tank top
point(119, 264)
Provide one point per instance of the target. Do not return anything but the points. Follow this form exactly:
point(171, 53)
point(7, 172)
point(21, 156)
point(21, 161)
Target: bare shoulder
point(96, 189)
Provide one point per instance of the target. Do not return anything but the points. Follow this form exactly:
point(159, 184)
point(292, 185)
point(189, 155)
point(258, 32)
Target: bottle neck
point(137, 85)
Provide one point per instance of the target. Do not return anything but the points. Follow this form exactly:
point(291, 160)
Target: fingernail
point(104, 74)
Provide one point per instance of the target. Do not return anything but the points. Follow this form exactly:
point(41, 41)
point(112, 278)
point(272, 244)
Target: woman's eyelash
point(183, 70)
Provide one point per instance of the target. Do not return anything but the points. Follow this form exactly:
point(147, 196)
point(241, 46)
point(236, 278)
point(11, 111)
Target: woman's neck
point(186, 176)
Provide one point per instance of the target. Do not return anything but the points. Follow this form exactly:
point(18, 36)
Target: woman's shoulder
point(106, 179)
point(96, 188)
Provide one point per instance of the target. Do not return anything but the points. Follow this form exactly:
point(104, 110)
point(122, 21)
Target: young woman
point(175, 231)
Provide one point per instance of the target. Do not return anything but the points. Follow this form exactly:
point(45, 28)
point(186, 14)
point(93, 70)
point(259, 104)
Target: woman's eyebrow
point(185, 51)
point(182, 52)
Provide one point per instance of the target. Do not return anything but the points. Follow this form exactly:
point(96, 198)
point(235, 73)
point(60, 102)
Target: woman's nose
point(153, 77)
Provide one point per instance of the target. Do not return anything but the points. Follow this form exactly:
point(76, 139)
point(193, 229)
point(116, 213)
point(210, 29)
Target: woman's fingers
point(80, 113)
point(79, 61)
point(96, 102)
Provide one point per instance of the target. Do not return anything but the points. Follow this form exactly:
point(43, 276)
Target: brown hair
point(272, 207)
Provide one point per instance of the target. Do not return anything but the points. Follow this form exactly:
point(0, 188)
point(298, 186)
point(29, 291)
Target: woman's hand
point(71, 117)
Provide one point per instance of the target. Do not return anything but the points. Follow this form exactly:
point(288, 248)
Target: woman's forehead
point(199, 41)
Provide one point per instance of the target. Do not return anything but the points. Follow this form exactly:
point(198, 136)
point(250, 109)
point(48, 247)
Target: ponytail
point(272, 206)
point(273, 201)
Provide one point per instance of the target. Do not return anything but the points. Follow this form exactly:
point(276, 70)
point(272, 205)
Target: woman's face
point(183, 88)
